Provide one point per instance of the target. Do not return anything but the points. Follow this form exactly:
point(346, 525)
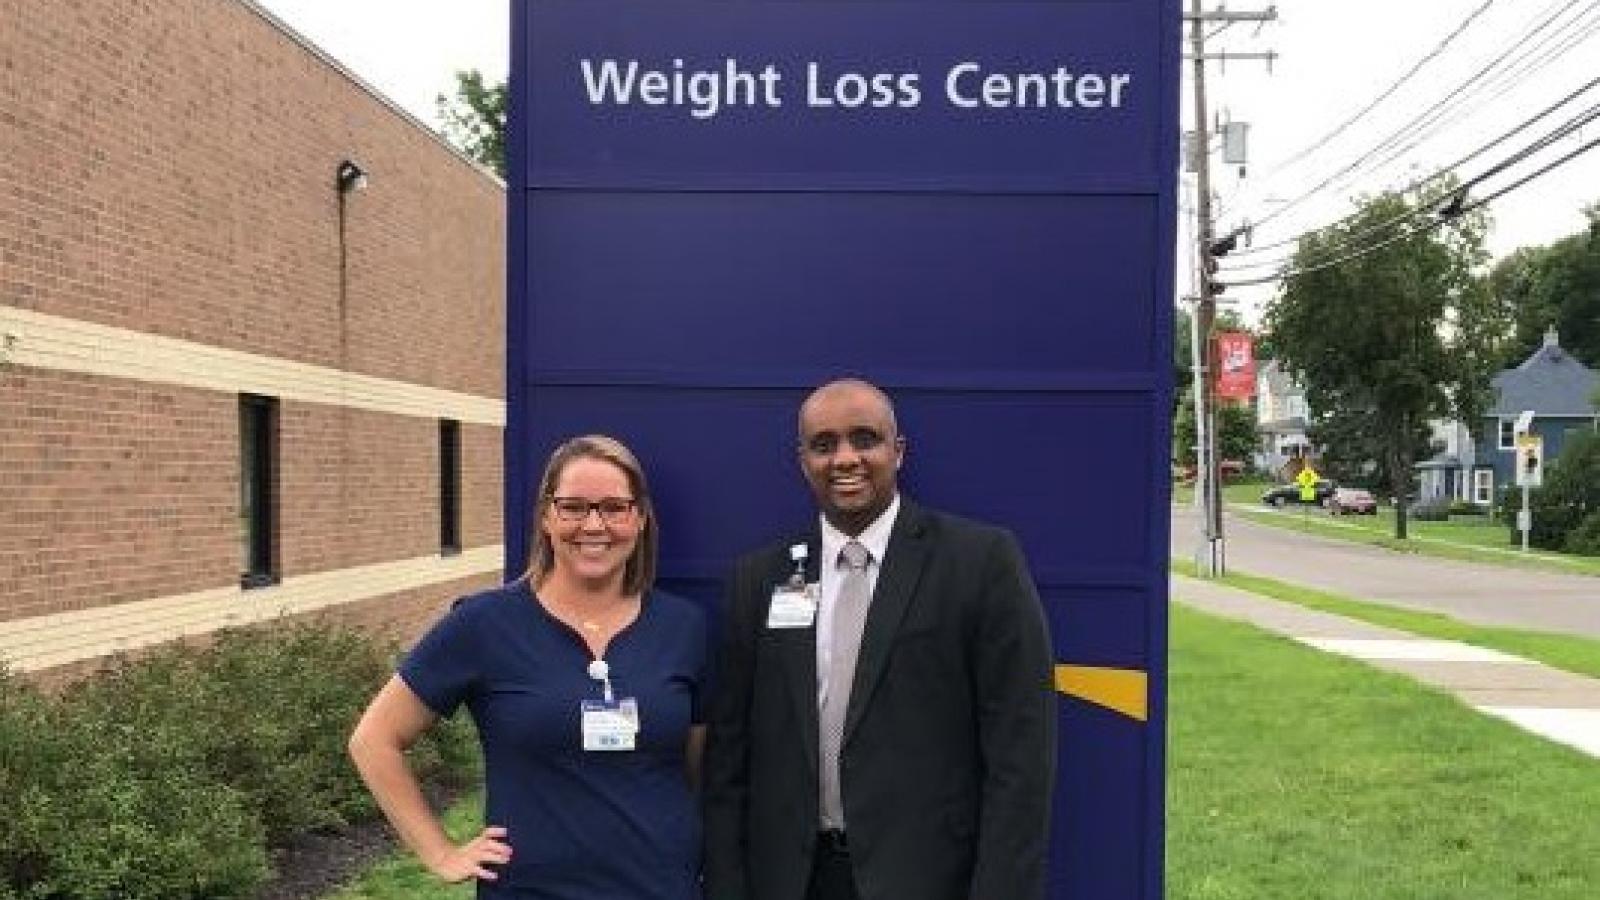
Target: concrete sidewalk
point(1553, 704)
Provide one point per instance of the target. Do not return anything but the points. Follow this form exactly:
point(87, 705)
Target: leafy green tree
point(1353, 449)
point(1236, 431)
point(1384, 321)
point(1558, 285)
point(475, 119)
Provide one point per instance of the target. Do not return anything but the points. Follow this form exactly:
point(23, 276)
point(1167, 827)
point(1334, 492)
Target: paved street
point(1472, 592)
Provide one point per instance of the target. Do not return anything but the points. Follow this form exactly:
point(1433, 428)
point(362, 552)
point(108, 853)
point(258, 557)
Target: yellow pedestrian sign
point(1307, 479)
point(1530, 460)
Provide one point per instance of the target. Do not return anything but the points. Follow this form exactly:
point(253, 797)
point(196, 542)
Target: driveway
point(1472, 592)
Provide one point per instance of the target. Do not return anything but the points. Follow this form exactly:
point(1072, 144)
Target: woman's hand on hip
point(471, 860)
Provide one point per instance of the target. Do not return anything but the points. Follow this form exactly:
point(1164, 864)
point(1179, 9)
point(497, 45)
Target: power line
point(1258, 249)
point(1430, 116)
point(1532, 59)
point(1453, 213)
point(1563, 130)
point(1436, 111)
point(1382, 96)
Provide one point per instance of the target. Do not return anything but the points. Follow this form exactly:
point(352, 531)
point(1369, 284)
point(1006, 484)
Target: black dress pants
point(831, 875)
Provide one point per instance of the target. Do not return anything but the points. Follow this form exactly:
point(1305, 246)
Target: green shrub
point(1571, 493)
point(1433, 509)
point(169, 776)
point(301, 688)
point(117, 830)
point(1585, 539)
point(97, 809)
point(31, 755)
point(263, 710)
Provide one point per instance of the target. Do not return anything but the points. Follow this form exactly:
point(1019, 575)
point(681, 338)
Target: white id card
point(610, 726)
point(793, 606)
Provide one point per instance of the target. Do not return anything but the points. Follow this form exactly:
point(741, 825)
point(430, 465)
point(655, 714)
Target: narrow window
point(449, 486)
point(1483, 487)
point(1508, 434)
point(258, 496)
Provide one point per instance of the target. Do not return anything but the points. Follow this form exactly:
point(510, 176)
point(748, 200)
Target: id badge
point(793, 606)
point(610, 726)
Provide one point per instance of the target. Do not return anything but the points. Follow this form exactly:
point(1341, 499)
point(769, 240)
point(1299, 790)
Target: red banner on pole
point(1236, 365)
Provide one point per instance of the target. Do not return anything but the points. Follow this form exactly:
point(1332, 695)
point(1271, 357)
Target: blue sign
point(934, 96)
point(715, 207)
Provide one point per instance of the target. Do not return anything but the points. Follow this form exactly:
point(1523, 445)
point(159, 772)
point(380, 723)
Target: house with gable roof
point(1473, 465)
point(1281, 420)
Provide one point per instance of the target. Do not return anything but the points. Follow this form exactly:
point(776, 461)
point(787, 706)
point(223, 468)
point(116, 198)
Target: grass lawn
point(401, 877)
point(1237, 491)
point(1473, 539)
point(1296, 774)
point(1570, 652)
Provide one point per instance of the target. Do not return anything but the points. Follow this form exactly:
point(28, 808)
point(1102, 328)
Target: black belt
point(833, 841)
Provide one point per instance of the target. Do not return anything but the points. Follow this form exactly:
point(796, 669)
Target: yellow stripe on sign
point(1122, 690)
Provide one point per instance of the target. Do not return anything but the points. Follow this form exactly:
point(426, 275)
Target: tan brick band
point(42, 642)
point(44, 341)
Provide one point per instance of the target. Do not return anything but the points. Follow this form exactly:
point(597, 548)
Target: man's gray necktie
point(849, 617)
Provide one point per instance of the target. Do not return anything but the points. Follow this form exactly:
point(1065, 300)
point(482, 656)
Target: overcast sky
point(409, 50)
point(1334, 59)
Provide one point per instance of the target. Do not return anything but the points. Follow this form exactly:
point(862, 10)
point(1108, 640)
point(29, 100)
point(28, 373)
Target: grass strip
point(1572, 653)
point(1298, 774)
point(402, 877)
point(1469, 542)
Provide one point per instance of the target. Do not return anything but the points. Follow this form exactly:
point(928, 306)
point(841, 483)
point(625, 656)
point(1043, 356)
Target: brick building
point(235, 383)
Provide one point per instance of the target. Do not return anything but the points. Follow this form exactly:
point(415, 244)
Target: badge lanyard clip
point(599, 671)
point(798, 553)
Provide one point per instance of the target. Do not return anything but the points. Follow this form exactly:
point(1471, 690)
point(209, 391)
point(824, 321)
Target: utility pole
point(1212, 557)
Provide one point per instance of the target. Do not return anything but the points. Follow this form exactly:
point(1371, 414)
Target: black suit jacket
point(949, 750)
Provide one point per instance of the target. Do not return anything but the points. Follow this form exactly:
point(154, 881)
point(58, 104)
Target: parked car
point(1285, 494)
point(1229, 469)
point(1351, 501)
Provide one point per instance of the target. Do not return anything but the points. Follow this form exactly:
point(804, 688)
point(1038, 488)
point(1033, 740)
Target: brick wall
point(482, 477)
point(114, 491)
point(403, 617)
point(386, 504)
point(168, 167)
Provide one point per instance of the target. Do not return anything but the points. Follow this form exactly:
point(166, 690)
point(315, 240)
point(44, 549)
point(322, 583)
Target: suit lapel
point(799, 652)
point(904, 560)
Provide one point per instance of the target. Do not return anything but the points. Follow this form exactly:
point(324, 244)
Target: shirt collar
point(874, 537)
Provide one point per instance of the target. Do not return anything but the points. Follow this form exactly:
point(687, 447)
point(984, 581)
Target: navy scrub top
point(582, 825)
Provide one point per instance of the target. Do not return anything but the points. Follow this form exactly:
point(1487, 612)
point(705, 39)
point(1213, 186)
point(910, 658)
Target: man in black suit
point(884, 725)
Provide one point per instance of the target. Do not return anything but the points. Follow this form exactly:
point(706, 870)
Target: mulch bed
point(316, 865)
point(319, 864)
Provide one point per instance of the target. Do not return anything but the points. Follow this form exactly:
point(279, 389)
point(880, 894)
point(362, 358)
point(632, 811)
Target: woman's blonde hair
point(640, 572)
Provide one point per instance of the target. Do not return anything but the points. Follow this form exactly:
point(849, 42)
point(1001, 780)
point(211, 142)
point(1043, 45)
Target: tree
point(1353, 449)
point(1380, 320)
point(475, 119)
point(1236, 431)
point(1555, 285)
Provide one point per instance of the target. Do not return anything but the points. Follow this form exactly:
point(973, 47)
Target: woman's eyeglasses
point(612, 510)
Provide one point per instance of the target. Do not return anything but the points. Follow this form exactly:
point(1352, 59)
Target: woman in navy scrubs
point(585, 686)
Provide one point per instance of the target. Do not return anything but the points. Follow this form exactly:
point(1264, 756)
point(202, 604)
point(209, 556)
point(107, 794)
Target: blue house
point(1559, 390)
